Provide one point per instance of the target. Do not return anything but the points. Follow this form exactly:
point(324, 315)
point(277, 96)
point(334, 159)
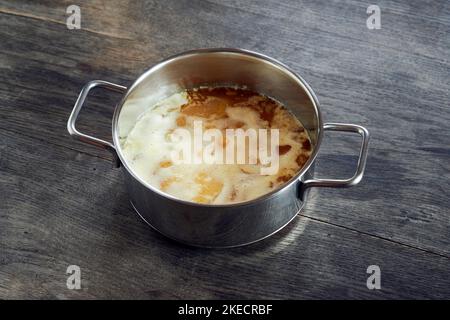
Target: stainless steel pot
point(235, 224)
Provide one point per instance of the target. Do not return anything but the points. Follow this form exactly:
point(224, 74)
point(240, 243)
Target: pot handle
point(76, 110)
point(342, 183)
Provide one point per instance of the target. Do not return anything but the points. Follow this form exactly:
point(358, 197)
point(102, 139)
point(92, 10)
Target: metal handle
point(76, 110)
point(342, 183)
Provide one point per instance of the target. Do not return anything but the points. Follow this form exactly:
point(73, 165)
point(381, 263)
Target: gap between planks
point(375, 236)
point(46, 19)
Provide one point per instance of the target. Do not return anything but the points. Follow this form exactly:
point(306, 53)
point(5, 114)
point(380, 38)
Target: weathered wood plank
point(409, 150)
point(56, 207)
point(62, 207)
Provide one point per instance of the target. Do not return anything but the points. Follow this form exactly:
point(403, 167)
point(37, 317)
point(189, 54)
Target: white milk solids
point(149, 143)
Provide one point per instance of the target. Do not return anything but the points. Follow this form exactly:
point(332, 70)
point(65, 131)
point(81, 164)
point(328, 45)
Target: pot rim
point(312, 96)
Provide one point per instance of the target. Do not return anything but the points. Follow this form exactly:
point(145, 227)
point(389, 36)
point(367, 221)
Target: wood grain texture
point(79, 215)
point(61, 203)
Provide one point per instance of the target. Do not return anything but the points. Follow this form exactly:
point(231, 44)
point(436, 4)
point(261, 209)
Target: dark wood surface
point(62, 203)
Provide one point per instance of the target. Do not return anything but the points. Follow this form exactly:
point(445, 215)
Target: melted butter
point(147, 148)
point(209, 188)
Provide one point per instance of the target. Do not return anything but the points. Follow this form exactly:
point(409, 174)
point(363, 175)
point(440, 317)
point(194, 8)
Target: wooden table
point(62, 203)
